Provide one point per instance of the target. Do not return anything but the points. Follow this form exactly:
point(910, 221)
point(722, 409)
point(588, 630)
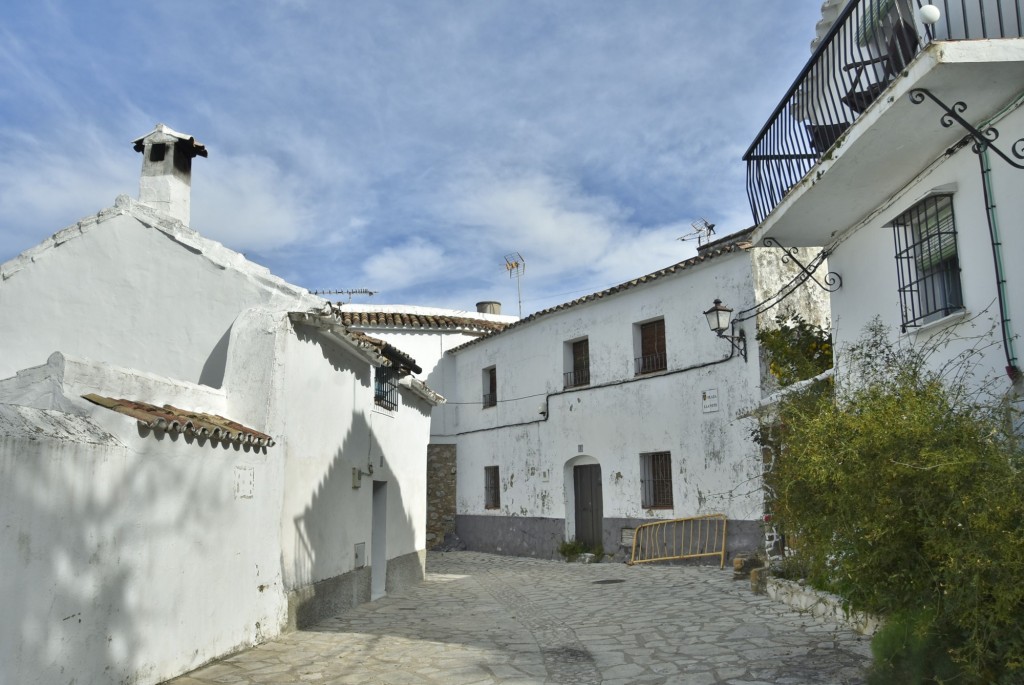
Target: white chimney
point(166, 181)
point(488, 307)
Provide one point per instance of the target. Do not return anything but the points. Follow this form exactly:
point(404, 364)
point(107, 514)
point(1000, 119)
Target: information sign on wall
point(710, 400)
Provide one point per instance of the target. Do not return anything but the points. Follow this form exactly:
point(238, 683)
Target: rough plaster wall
point(716, 468)
point(770, 275)
point(324, 411)
point(865, 260)
point(102, 542)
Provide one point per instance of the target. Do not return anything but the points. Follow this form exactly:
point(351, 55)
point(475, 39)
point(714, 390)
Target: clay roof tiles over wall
point(413, 320)
point(727, 245)
point(174, 420)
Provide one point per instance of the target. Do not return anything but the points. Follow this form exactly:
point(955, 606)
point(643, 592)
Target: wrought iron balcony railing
point(869, 45)
point(651, 362)
point(577, 378)
point(490, 399)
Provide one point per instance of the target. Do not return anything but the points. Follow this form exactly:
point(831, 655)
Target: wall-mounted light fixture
point(720, 319)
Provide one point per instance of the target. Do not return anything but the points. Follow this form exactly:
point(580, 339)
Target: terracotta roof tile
point(412, 320)
point(174, 420)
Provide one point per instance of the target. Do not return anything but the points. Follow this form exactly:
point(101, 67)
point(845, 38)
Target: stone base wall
point(517, 536)
point(526, 536)
point(331, 597)
point(440, 493)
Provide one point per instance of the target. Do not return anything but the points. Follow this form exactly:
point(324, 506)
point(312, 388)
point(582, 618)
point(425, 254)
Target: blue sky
point(404, 147)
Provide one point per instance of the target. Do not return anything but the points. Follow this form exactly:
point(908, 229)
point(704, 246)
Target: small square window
point(492, 488)
point(928, 266)
point(385, 387)
point(656, 480)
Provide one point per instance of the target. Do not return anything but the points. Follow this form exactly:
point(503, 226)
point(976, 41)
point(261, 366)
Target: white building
point(621, 407)
point(884, 152)
point(194, 454)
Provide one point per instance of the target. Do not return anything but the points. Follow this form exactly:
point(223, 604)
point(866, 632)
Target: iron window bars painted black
point(492, 488)
point(656, 480)
point(385, 387)
point(927, 263)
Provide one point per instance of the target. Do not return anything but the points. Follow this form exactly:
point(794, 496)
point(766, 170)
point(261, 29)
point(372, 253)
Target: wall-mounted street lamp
point(720, 319)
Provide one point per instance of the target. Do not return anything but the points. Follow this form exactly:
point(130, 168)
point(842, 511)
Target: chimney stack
point(488, 307)
point(166, 181)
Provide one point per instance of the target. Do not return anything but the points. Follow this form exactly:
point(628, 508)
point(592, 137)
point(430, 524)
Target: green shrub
point(796, 349)
point(905, 495)
point(572, 549)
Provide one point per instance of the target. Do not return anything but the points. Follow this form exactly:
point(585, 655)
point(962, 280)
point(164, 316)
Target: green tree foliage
point(796, 349)
point(904, 494)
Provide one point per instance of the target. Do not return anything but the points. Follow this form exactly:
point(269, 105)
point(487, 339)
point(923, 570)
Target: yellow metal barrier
point(688, 538)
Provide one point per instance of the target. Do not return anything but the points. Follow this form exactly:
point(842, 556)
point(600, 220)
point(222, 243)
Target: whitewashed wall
point(716, 468)
point(866, 261)
point(173, 568)
point(129, 270)
point(127, 556)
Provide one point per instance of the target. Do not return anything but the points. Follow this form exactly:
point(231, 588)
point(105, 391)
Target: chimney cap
point(165, 134)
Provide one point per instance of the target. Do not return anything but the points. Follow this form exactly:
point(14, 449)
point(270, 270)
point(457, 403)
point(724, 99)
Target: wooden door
point(589, 509)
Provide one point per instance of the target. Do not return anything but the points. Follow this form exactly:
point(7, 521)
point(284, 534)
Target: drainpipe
point(1012, 370)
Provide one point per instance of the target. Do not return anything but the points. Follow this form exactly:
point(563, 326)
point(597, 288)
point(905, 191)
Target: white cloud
point(413, 262)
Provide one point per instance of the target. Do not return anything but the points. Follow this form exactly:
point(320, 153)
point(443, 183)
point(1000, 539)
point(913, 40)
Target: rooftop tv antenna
point(516, 265)
point(702, 231)
point(350, 292)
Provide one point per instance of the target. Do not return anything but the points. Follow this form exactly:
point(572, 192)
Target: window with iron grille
point(652, 347)
point(656, 480)
point(927, 263)
point(385, 387)
point(579, 358)
point(492, 488)
point(490, 398)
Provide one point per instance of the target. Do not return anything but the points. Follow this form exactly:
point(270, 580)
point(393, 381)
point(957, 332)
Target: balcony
point(490, 399)
point(574, 379)
point(651, 363)
point(875, 53)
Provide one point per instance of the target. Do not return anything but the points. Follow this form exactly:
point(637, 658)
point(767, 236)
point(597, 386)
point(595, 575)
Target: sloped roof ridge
point(212, 250)
point(736, 244)
point(413, 320)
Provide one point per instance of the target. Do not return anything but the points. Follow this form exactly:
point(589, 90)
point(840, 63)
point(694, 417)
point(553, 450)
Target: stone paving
point(481, 619)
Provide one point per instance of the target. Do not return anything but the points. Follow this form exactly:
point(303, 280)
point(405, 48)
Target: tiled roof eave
point(727, 248)
point(174, 420)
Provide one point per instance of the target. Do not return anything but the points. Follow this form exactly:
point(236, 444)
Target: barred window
point(385, 387)
point(927, 263)
point(656, 480)
point(492, 488)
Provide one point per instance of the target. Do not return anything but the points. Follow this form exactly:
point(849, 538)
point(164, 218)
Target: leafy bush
point(906, 494)
point(796, 349)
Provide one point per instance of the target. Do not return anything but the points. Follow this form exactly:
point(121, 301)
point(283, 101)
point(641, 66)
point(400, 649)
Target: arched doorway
point(585, 501)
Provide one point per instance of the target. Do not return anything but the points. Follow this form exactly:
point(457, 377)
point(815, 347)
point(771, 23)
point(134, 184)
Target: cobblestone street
point(481, 618)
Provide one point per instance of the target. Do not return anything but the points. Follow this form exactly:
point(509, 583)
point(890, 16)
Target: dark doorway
point(589, 510)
